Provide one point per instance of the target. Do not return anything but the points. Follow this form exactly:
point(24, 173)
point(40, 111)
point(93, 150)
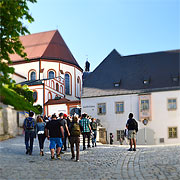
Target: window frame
point(143, 110)
point(29, 74)
point(119, 112)
point(34, 91)
point(119, 134)
point(70, 83)
point(170, 109)
point(57, 87)
point(49, 72)
point(98, 112)
point(173, 137)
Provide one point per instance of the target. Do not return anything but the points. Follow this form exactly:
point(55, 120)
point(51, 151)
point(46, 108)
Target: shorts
point(132, 134)
point(54, 142)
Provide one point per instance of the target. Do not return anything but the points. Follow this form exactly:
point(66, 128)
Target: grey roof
point(157, 68)
point(30, 83)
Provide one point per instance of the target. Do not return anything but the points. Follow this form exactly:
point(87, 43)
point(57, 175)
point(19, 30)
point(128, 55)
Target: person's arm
point(62, 131)
point(89, 125)
point(67, 129)
point(24, 124)
point(46, 133)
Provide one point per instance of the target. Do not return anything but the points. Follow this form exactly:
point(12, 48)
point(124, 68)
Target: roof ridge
point(39, 33)
point(166, 51)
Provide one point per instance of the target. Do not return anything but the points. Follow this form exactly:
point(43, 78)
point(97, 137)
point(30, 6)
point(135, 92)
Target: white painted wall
point(162, 118)
point(57, 109)
point(39, 89)
point(17, 78)
point(112, 121)
point(24, 68)
point(155, 129)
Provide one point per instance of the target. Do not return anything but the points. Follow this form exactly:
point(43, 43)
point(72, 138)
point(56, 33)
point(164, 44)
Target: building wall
point(17, 78)
point(156, 128)
point(46, 65)
point(111, 121)
point(24, 68)
point(39, 90)
point(57, 109)
point(162, 118)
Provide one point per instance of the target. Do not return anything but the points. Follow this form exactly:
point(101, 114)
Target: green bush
point(11, 97)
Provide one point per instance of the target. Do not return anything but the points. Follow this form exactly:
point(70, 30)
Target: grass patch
point(10, 97)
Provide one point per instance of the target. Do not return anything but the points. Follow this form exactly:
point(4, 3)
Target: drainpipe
point(39, 68)
point(43, 99)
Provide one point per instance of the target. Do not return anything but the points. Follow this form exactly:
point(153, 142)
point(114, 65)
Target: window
point(67, 84)
point(61, 89)
point(57, 87)
point(172, 132)
point(144, 105)
point(175, 79)
point(35, 96)
point(146, 82)
point(52, 84)
point(172, 104)
point(120, 134)
point(78, 89)
point(49, 96)
point(101, 108)
point(33, 76)
point(51, 75)
point(119, 107)
point(116, 84)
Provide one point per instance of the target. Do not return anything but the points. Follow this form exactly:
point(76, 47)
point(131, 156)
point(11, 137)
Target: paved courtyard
point(102, 162)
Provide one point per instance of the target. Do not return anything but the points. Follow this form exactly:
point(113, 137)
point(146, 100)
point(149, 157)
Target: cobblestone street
point(102, 162)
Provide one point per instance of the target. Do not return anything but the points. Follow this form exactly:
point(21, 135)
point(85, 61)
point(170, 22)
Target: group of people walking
point(57, 130)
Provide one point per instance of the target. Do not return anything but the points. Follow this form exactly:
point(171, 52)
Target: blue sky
point(93, 28)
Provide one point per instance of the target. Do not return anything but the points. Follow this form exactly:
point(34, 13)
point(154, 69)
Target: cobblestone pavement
point(103, 162)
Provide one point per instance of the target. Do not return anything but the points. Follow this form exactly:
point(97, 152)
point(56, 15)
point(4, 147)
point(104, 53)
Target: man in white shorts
point(132, 127)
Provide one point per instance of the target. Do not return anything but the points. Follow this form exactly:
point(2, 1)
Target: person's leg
point(32, 136)
point(52, 147)
point(95, 134)
point(43, 139)
point(72, 147)
point(52, 153)
point(77, 148)
point(27, 141)
point(88, 136)
point(131, 143)
point(92, 139)
point(84, 136)
point(134, 141)
point(64, 143)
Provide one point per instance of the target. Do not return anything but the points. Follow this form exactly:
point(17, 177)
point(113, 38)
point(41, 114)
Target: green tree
point(12, 13)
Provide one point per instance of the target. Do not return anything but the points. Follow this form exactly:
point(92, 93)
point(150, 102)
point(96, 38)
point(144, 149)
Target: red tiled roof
point(60, 101)
point(45, 45)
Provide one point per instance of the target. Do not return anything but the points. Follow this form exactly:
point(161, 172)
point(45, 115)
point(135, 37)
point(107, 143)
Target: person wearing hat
point(64, 124)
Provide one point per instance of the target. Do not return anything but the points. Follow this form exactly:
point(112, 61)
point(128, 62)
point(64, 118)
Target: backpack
point(29, 123)
point(75, 130)
point(135, 125)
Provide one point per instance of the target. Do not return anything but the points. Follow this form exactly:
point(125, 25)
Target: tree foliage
point(23, 91)
point(12, 13)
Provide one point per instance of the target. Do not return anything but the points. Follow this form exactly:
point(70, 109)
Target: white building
point(52, 72)
point(148, 85)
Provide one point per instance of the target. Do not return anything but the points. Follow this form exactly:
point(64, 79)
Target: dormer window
point(175, 79)
point(146, 82)
point(117, 84)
